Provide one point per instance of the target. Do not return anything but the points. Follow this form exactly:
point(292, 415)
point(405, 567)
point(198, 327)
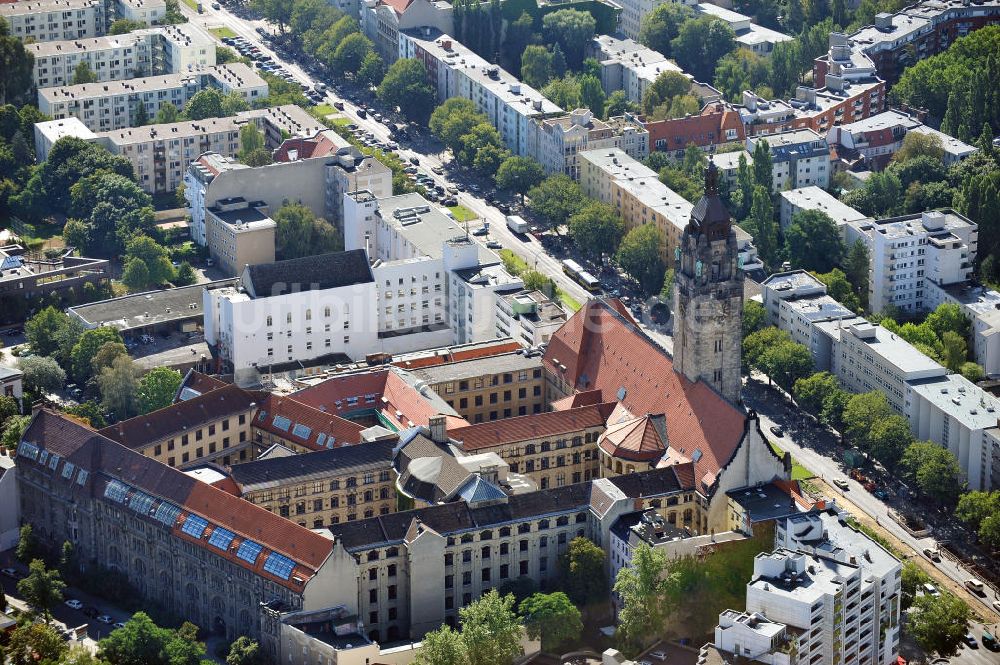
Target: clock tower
point(708, 296)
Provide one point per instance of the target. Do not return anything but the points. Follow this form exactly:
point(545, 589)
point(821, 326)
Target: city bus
point(581, 276)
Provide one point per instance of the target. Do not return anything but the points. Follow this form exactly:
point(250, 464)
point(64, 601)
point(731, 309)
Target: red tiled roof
point(398, 6)
point(107, 460)
point(539, 425)
point(458, 355)
point(199, 383)
point(181, 417)
point(705, 129)
point(601, 350)
point(315, 146)
point(638, 439)
point(343, 431)
point(582, 398)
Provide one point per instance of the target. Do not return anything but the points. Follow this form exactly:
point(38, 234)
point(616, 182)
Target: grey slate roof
point(309, 273)
point(305, 465)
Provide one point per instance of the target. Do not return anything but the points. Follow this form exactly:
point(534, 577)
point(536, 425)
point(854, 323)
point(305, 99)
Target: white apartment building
point(959, 415)
point(908, 252)
point(113, 104)
point(794, 201)
point(800, 158)
point(982, 306)
point(749, 35)
point(147, 11)
point(530, 317)
point(51, 20)
point(636, 192)
point(436, 285)
point(632, 14)
point(878, 137)
point(170, 49)
point(825, 534)
point(456, 71)
point(290, 311)
point(50, 131)
point(824, 601)
point(557, 142)
point(628, 65)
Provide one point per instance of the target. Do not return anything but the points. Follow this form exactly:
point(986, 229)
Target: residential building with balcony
point(454, 70)
point(114, 104)
point(55, 20)
point(635, 190)
point(716, 125)
point(908, 252)
point(558, 141)
point(530, 317)
point(383, 21)
point(169, 49)
point(870, 143)
point(629, 66)
point(800, 158)
point(982, 305)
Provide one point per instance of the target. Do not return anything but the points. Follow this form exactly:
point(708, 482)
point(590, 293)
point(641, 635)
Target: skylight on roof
point(279, 565)
point(167, 513)
point(282, 423)
point(28, 450)
point(54, 462)
point(321, 438)
point(68, 469)
point(249, 551)
point(116, 491)
point(141, 502)
point(221, 538)
point(194, 526)
point(301, 431)
point(81, 477)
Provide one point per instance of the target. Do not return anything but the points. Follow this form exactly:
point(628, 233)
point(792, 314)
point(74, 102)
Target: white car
point(74, 604)
point(841, 483)
point(104, 618)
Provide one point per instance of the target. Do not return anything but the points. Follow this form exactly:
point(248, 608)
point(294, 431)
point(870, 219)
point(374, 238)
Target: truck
point(517, 224)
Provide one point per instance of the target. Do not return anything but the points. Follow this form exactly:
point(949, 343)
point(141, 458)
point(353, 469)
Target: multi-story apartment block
point(214, 428)
point(874, 140)
point(114, 104)
point(325, 487)
point(170, 49)
point(717, 124)
point(982, 306)
point(898, 40)
point(298, 309)
point(383, 21)
point(800, 158)
point(146, 11)
point(636, 191)
point(906, 253)
point(189, 547)
point(629, 66)
point(557, 142)
point(54, 20)
point(456, 71)
point(488, 388)
point(530, 317)
point(25, 274)
point(749, 35)
point(632, 14)
point(794, 201)
point(238, 232)
point(435, 283)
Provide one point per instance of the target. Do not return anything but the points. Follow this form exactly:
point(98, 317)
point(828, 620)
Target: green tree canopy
point(551, 617)
point(41, 589)
point(754, 317)
point(934, 470)
point(83, 74)
point(453, 119)
point(15, 66)
point(205, 103)
point(119, 388)
point(556, 199)
point(596, 229)
point(142, 642)
point(36, 644)
point(491, 631)
point(300, 233)
point(810, 393)
point(157, 388)
point(45, 330)
point(245, 651)
point(86, 348)
point(640, 256)
point(572, 30)
point(443, 646)
point(519, 174)
point(642, 588)
point(662, 25)
point(583, 569)
point(405, 86)
point(862, 412)
point(812, 241)
point(42, 373)
point(700, 44)
point(536, 65)
point(351, 53)
point(938, 623)
point(372, 69)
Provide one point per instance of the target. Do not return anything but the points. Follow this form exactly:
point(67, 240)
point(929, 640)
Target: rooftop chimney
point(439, 428)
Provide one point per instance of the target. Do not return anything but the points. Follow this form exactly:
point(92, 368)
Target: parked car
point(119, 624)
point(970, 639)
point(777, 431)
point(104, 618)
point(74, 604)
point(493, 244)
point(841, 483)
point(11, 573)
point(481, 231)
point(929, 589)
point(975, 586)
point(932, 554)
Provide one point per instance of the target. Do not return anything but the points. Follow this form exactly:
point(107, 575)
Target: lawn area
point(193, 4)
point(220, 33)
point(799, 472)
point(513, 263)
point(463, 214)
point(326, 109)
point(569, 301)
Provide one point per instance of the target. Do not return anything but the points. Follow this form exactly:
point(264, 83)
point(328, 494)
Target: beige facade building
point(558, 141)
point(53, 20)
point(240, 233)
point(168, 49)
point(485, 389)
point(211, 428)
point(325, 487)
point(636, 192)
point(115, 104)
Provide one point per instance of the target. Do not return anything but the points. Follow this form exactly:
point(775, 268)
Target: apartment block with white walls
point(799, 158)
point(908, 252)
point(53, 20)
point(982, 306)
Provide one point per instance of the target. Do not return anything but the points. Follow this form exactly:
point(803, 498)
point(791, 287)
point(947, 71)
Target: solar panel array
point(194, 526)
point(221, 538)
point(279, 565)
point(249, 551)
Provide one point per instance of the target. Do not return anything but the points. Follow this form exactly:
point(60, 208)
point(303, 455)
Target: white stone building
point(982, 306)
point(799, 157)
point(629, 66)
point(878, 137)
point(529, 317)
point(906, 253)
point(51, 20)
point(794, 201)
point(169, 49)
point(114, 104)
point(749, 35)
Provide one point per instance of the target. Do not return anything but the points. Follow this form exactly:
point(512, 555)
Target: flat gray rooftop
point(467, 369)
point(146, 309)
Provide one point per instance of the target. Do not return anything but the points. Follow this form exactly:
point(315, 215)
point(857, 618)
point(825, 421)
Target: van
point(975, 586)
point(930, 589)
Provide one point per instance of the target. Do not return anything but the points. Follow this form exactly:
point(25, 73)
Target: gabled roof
point(308, 273)
point(179, 418)
point(305, 425)
point(639, 439)
point(277, 469)
point(96, 466)
point(539, 425)
point(195, 383)
point(599, 349)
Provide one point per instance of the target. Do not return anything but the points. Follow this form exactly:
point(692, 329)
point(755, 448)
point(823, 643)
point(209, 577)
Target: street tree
point(639, 255)
point(596, 229)
point(810, 393)
point(888, 439)
point(912, 579)
point(938, 623)
point(351, 52)
point(812, 241)
point(556, 199)
point(786, 363)
point(863, 410)
point(453, 119)
point(491, 631)
point(975, 506)
point(27, 544)
point(754, 317)
point(157, 388)
point(41, 589)
point(934, 470)
point(372, 69)
point(36, 644)
point(756, 344)
point(405, 86)
point(42, 374)
point(583, 572)
point(552, 618)
point(489, 158)
point(519, 174)
point(119, 388)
